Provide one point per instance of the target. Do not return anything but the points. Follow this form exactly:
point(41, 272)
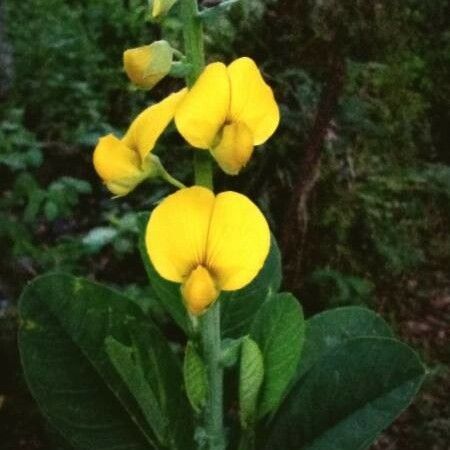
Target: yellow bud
point(234, 147)
point(161, 7)
point(148, 65)
point(199, 290)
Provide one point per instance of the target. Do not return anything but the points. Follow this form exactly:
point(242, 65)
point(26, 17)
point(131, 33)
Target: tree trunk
point(293, 233)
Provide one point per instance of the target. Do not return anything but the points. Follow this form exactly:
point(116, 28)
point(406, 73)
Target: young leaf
point(239, 307)
point(348, 397)
point(195, 379)
point(164, 375)
point(250, 379)
point(125, 362)
point(278, 329)
point(230, 352)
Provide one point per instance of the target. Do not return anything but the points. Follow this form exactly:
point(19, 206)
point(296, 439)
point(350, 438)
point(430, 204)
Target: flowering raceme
point(124, 163)
point(228, 111)
point(207, 243)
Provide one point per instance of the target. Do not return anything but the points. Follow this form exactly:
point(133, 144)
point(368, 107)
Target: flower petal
point(199, 290)
point(238, 241)
point(150, 123)
point(252, 100)
point(117, 165)
point(177, 232)
point(204, 109)
point(235, 148)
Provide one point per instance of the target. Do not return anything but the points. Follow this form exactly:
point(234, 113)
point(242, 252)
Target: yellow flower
point(149, 64)
point(208, 243)
point(124, 163)
point(228, 111)
point(161, 7)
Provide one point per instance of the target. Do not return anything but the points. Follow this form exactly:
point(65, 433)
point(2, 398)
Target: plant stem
point(193, 39)
point(170, 179)
point(210, 321)
point(195, 56)
point(210, 330)
point(203, 169)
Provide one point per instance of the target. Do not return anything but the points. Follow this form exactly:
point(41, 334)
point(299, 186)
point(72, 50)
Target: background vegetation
point(356, 183)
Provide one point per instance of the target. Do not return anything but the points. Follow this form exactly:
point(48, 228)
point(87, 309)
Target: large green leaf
point(65, 321)
point(168, 293)
point(239, 307)
point(328, 329)
point(278, 329)
point(348, 397)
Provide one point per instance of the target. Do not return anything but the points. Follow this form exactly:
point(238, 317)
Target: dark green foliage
point(342, 347)
point(331, 406)
point(98, 366)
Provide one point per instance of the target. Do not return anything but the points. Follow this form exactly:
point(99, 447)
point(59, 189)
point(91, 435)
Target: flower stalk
point(210, 321)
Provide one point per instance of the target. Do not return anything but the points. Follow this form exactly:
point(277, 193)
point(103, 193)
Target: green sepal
point(180, 69)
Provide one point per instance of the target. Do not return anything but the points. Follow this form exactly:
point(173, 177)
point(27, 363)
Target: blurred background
point(355, 183)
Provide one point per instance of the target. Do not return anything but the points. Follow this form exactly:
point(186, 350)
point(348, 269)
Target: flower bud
point(161, 7)
point(148, 65)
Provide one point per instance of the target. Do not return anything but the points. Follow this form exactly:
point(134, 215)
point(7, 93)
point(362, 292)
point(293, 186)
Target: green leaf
point(251, 376)
point(331, 328)
point(168, 293)
point(278, 329)
point(125, 362)
point(195, 379)
point(157, 367)
point(239, 307)
point(348, 397)
point(51, 210)
point(65, 321)
point(231, 349)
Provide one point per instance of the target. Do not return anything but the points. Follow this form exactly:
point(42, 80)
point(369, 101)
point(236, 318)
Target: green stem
point(210, 330)
point(203, 169)
point(170, 179)
point(193, 38)
point(195, 56)
point(210, 321)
